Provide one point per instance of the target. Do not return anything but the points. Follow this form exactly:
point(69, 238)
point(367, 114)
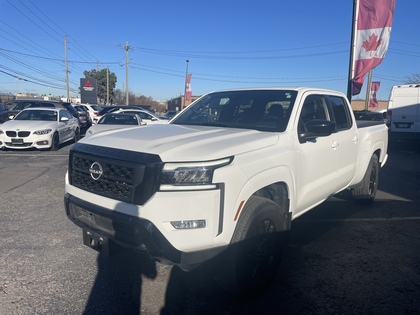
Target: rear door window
point(341, 112)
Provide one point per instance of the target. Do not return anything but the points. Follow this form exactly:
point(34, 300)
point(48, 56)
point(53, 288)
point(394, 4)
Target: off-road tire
point(254, 255)
point(367, 191)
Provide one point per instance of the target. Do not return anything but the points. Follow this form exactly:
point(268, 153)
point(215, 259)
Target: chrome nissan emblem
point(96, 170)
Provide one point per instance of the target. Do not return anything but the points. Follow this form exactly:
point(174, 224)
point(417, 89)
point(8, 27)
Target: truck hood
point(186, 143)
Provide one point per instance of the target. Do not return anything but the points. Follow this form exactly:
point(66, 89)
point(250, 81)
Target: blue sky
point(229, 44)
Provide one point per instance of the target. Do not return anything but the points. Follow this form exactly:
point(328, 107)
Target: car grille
point(19, 145)
point(123, 175)
point(21, 134)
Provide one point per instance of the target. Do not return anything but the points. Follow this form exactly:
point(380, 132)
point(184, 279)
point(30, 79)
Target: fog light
point(44, 142)
point(189, 224)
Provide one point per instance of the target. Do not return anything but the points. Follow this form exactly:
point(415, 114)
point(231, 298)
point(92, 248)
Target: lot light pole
point(185, 85)
point(126, 72)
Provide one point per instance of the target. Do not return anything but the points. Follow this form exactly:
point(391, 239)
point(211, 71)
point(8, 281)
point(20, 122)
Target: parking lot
point(343, 257)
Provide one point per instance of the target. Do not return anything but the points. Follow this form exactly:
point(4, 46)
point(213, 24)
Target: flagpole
point(369, 83)
point(353, 39)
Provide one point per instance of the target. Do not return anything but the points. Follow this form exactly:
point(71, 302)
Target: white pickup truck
point(224, 179)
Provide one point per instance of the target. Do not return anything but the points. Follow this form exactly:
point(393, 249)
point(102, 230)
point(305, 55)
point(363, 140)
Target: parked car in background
point(383, 112)
point(8, 104)
point(92, 109)
point(149, 108)
point(109, 109)
point(113, 121)
point(3, 113)
point(145, 116)
point(403, 116)
point(17, 105)
point(169, 114)
point(40, 128)
point(84, 116)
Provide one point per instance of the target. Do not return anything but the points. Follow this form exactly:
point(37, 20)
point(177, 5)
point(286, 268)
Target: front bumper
point(109, 231)
point(33, 141)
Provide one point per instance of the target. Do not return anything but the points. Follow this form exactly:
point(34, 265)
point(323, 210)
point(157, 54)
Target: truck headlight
point(42, 132)
point(190, 175)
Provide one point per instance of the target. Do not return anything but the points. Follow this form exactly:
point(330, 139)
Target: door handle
point(335, 144)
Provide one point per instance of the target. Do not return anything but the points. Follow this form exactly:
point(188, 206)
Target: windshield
point(265, 110)
point(119, 119)
point(18, 105)
point(44, 115)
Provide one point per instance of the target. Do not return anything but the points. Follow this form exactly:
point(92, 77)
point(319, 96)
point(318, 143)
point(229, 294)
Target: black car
point(169, 114)
point(110, 109)
point(3, 113)
point(17, 105)
point(84, 116)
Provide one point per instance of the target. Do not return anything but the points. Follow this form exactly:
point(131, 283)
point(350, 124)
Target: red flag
point(374, 22)
point(374, 87)
point(188, 91)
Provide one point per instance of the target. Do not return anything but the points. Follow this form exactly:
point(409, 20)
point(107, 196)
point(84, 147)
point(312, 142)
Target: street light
point(185, 87)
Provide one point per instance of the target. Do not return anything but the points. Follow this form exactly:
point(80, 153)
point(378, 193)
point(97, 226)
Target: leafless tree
point(413, 79)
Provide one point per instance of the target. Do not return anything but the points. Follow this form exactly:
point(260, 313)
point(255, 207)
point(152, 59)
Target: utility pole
point(107, 85)
point(126, 47)
point(67, 67)
point(185, 85)
point(368, 90)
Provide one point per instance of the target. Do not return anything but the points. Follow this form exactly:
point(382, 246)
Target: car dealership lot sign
point(88, 90)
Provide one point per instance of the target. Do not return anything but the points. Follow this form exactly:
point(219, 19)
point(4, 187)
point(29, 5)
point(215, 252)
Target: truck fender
point(268, 184)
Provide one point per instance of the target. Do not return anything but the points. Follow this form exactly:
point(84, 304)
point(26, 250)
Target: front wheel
point(254, 255)
point(369, 185)
point(55, 142)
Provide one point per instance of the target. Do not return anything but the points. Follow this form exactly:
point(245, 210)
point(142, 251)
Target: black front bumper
point(109, 232)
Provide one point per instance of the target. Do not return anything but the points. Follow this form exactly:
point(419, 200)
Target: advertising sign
point(88, 91)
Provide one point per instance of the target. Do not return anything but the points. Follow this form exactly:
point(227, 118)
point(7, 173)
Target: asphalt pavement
point(342, 258)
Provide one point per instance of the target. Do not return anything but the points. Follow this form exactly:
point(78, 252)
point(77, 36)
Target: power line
point(58, 59)
point(250, 79)
point(27, 17)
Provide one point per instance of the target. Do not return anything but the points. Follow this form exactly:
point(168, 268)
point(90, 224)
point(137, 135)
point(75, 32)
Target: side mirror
point(317, 128)
point(64, 119)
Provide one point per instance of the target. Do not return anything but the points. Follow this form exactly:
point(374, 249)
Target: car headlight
point(42, 132)
point(190, 175)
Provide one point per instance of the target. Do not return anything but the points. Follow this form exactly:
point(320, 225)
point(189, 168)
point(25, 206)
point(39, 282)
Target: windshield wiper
point(213, 124)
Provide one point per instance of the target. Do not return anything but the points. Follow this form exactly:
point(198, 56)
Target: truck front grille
point(117, 174)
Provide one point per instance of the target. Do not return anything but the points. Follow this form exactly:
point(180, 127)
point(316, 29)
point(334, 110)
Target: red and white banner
point(374, 21)
point(188, 90)
point(374, 87)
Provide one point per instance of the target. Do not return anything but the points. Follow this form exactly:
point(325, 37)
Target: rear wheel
point(76, 135)
point(55, 142)
point(254, 255)
point(367, 191)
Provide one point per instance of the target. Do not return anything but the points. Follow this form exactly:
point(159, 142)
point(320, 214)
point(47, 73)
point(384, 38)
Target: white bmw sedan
point(41, 128)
